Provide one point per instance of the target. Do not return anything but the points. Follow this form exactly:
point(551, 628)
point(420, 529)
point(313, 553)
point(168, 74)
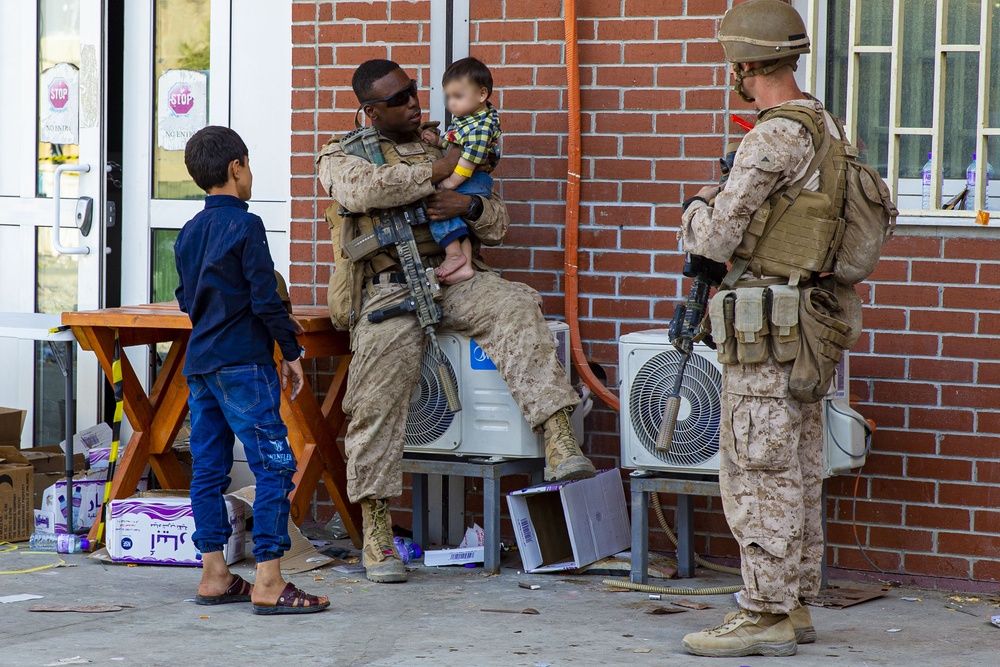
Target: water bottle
point(970, 181)
point(926, 187)
point(61, 543)
point(407, 549)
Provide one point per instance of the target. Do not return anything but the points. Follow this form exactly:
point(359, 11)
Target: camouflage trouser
point(505, 320)
point(771, 475)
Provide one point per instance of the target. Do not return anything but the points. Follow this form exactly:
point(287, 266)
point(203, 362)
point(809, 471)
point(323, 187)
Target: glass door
point(52, 196)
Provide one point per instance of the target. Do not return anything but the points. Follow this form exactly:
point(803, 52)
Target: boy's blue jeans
point(446, 231)
point(243, 401)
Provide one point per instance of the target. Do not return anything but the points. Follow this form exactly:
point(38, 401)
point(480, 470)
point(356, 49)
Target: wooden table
point(157, 417)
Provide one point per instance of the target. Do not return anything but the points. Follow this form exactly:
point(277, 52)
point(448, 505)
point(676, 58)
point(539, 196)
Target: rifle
point(685, 331)
point(396, 228)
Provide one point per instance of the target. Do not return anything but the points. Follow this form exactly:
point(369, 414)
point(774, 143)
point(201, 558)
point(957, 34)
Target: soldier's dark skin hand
point(447, 204)
point(709, 192)
point(443, 168)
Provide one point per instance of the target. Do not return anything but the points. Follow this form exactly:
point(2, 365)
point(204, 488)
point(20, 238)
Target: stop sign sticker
point(180, 99)
point(58, 93)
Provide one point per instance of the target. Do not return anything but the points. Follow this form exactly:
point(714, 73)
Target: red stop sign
point(180, 99)
point(58, 93)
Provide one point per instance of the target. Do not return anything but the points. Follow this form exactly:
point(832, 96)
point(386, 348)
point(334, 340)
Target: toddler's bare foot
point(459, 275)
point(450, 265)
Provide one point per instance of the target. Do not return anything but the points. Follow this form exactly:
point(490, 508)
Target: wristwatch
point(475, 209)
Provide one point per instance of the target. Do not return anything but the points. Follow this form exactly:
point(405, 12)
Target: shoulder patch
point(775, 145)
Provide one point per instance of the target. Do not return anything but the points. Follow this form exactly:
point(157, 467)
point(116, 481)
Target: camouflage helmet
point(762, 31)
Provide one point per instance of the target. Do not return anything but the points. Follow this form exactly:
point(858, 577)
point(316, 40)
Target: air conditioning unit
point(490, 423)
point(648, 364)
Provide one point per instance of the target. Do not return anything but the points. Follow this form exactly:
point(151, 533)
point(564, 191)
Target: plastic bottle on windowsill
point(970, 181)
point(925, 188)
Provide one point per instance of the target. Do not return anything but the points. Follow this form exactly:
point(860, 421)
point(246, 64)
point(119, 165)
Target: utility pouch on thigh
point(751, 326)
point(824, 335)
point(722, 314)
point(784, 322)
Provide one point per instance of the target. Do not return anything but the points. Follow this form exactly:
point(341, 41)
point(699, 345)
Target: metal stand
point(642, 485)
point(489, 471)
point(69, 429)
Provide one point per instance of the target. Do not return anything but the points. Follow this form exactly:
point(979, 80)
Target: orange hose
point(573, 212)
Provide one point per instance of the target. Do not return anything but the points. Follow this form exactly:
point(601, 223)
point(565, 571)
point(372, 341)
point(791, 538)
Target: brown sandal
point(239, 591)
point(292, 601)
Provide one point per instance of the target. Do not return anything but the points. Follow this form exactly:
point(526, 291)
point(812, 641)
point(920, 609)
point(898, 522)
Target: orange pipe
point(573, 212)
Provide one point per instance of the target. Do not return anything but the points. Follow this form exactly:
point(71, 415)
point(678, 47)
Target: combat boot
point(563, 459)
point(745, 633)
point(381, 561)
point(802, 621)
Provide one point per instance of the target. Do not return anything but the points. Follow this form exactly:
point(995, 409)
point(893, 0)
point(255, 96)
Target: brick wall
point(655, 120)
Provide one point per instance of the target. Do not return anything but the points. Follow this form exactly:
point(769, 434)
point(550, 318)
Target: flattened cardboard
point(568, 525)
point(841, 598)
point(52, 459)
point(302, 555)
point(11, 425)
point(17, 488)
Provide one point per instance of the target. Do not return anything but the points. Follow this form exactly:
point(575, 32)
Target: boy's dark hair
point(472, 69)
point(367, 74)
point(209, 152)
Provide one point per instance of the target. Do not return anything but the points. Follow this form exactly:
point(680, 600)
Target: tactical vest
point(798, 232)
point(349, 277)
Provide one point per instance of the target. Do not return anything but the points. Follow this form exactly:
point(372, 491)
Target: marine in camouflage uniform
point(771, 445)
point(503, 317)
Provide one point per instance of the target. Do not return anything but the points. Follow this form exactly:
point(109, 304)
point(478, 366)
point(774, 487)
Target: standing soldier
point(771, 443)
point(504, 317)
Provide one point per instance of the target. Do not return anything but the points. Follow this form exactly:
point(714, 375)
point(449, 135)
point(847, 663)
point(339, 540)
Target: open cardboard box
point(17, 481)
point(568, 525)
point(11, 425)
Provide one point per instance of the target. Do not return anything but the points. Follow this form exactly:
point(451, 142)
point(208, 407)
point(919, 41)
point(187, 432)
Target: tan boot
point(563, 458)
point(382, 563)
point(745, 633)
point(802, 621)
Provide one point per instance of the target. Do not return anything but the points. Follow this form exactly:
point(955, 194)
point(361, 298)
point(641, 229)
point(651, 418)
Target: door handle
point(57, 200)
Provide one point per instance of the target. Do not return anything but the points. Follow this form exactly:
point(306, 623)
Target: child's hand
point(429, 136)
point(293, 370)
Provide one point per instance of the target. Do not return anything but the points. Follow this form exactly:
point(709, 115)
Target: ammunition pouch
point(825, 336)
point(751, 326)
point(722, 315)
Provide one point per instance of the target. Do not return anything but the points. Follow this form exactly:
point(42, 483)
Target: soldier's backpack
point(839, 229)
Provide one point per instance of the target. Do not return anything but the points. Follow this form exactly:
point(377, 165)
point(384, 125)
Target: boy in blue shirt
point(227, 287)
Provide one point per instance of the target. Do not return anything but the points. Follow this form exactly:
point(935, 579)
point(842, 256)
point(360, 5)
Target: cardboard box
point(459, 556)
point(11, 424)
point(156, 528)
point(52, 459)
point(43, 480)
point(88, 494)
point(568, 525)
point(17, 487)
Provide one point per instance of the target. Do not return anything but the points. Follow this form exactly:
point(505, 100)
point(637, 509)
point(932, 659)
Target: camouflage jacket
point(360, 186)
point(771, 156)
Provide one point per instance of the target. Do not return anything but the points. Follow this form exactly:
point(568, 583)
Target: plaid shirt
point(478, 134)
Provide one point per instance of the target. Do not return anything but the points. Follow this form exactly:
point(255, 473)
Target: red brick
point(409, 55)
point(907, 295)
point(683, 170)
point(652, 52)
point(303, 11)
point(963, 347)
point(599, 98)
point(989, 324)
point(364, 11)
point(684, 29)
point(591, 53)
point(988, 422)
point(410, 11)
point(627, 31)
point(485, 9)
point(885, 318)
point(642, 286)
point(889, 270)
point(882, 464)
point(903, 489)
point(936, 566)
point(638, 262)
point(392, 32)
point(943, 273)
point(912, 246)
point(910, 344)
point(659, 147)
point(886, 537)
point(355, 55)
point(626, 123)
point(939, 369)
point(968, 495)
point(707, 8)
point(968, 543)
point(989, 274)
point(988, 471)
point(625, 77)
point(704, 98)
point(970, 249)
point(686, 76)
point(653, 7)
point(506, 31)
point(871, 512)
point(938, 468)
point(913, 442)
point(986, 522)
point(986, 570)
point(531, 99)
point(850, 558)
point(971, 298)
point(532, 8)
point(970, 396)
point(973, 446)
point(941, 419)
point(932, 320)
point(886, 416)
point(905, 393)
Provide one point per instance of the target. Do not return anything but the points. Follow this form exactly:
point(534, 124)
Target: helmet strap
point(790, 61)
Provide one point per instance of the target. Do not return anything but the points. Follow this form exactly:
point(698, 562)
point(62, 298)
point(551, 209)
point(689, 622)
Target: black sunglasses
point(397, 99)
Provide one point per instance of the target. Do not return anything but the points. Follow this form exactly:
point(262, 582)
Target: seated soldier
point(503, 317)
